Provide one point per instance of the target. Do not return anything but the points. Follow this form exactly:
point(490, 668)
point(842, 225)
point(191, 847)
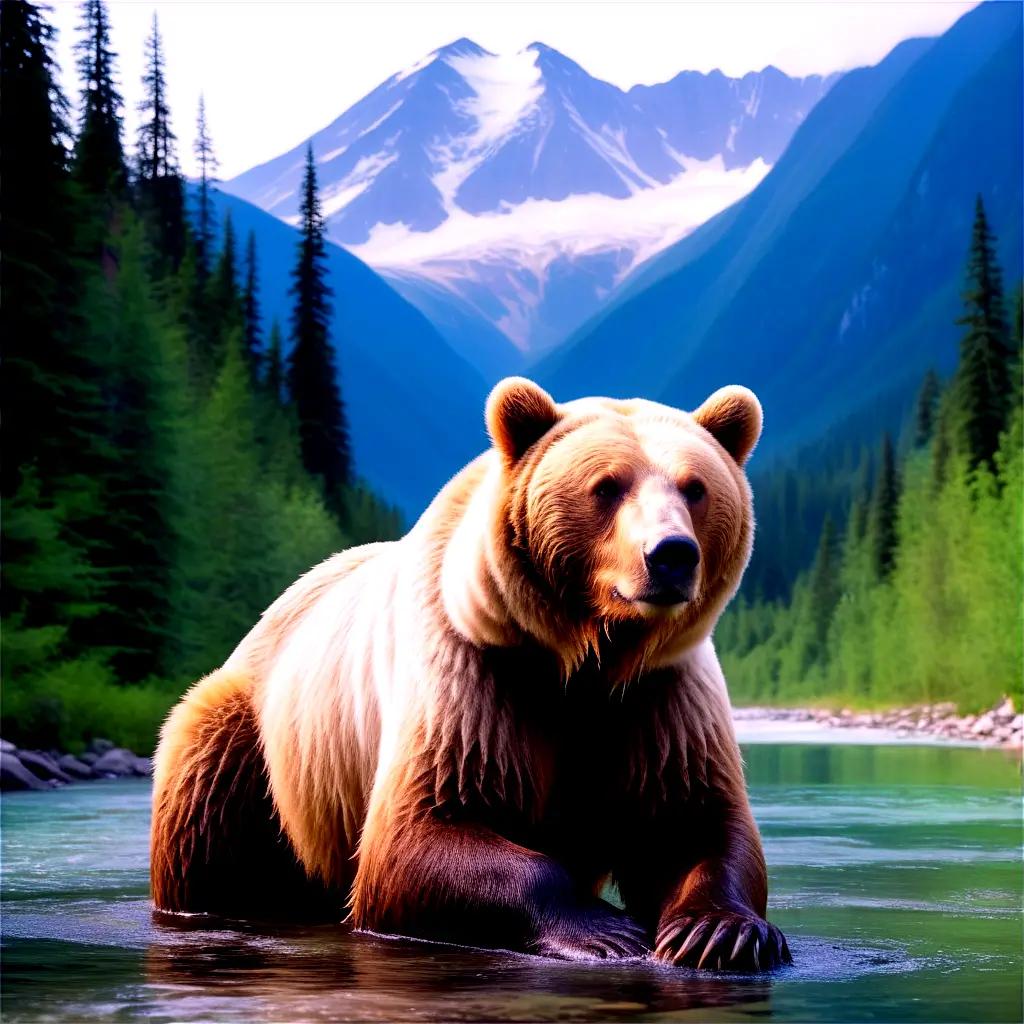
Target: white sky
point(275, 71)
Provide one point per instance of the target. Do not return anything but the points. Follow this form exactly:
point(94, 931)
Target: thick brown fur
point(463, 734)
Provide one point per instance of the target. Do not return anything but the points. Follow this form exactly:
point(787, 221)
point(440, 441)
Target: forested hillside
point(915, 593)
point(833, 286)
point(172, 460)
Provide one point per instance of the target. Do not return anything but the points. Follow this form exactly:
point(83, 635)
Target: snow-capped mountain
point(525, 187)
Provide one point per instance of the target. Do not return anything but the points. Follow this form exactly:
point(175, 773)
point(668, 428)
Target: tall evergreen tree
point(823, 588)
point(312, 375)
point(204, 222)
point(34, 236)
point(253, 334)
point(983, 385)
point(942, 442)
point(927, 409)
point(861, 498)
point(275, 370)
point(224, 302)
point(883, 510)
point(156, 156)
point(147, 411)
point(160, 186)
point(99, 164)
point(221, 313)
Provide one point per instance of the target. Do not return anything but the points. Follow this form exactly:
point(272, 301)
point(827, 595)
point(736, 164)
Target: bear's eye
point(693, 491)
point(608, 489)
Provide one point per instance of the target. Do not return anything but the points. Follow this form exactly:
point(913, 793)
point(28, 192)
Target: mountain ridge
point(854, 282)
point(527, 188)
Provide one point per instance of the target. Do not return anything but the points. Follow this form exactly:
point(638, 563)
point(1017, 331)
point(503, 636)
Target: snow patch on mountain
point(536, 233)
point(526, 187)
point(505, 91)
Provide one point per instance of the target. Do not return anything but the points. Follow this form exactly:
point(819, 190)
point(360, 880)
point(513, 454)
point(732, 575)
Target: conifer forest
point(173, 460)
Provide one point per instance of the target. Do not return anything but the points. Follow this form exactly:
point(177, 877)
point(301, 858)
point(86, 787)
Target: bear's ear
point(518, 414)
point(732, 416)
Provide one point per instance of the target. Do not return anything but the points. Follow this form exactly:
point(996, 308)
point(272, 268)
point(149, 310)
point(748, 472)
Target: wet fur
point(463, 734)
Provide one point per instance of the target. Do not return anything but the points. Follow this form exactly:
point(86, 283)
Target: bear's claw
point(722, 941)
point(595, 933)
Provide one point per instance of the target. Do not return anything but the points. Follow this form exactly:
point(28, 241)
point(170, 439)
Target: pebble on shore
point(1001, 726)
point(39, 769)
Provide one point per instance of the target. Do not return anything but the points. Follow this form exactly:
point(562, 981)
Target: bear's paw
point(594, 932)
point(722, 941)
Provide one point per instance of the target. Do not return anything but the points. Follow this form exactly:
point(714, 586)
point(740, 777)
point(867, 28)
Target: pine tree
point(224, 301)
point(98, 163)
point(983, 385)
point(147, 407)
point(160, 187)
point(312, 375)
point(275, 371)
point(942, 442)
point(221, 313)
point(253, 520)
point(883, 510)
point(253, 336)
point(822, 596)
point(47, 580)
point(203, 148)
point(861, 499)
point(927, 409)
point(34, 237)
point(156, 140)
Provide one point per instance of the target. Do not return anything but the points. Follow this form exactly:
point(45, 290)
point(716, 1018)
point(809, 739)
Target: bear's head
point(621, 527)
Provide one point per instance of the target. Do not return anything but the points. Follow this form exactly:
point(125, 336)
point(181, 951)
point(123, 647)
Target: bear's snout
point(672, 567)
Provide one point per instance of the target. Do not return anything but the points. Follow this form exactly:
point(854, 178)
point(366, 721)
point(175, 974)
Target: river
point(895, 873)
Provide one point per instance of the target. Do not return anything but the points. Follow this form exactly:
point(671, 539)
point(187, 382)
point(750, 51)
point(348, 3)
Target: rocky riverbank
point(42, 769)
point(1002, 726)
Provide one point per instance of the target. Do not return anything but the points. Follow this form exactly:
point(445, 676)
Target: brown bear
point(464, 734)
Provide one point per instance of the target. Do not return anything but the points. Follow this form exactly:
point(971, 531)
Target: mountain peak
point(451, 170)
point(462, 47)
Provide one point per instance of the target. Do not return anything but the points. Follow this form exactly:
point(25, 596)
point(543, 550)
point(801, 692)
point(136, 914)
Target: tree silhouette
point(983, 385)
point(312, 375)
point(99, 164)
point(204, 226)
point(253, 336)
point(161, 192)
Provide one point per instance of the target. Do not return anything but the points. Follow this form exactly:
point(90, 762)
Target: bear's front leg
point(702, 881)
point(429, 878)
point(714, 916)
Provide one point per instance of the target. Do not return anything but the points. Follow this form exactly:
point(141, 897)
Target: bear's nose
point(672, 561)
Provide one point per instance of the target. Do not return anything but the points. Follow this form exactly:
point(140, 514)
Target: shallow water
point(896, 874)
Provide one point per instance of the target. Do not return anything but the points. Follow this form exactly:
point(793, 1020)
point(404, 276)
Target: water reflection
point(330, 973)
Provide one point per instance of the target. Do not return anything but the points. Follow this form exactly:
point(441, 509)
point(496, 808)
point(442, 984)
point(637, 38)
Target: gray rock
point(75, 768)
point(1005, 711)
point(984, 725)
point(14, 775)
point(89, 757)
point(7, 747)
point(101, 746)
point(143, 766)
point(42, 765)
point(119, 762)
